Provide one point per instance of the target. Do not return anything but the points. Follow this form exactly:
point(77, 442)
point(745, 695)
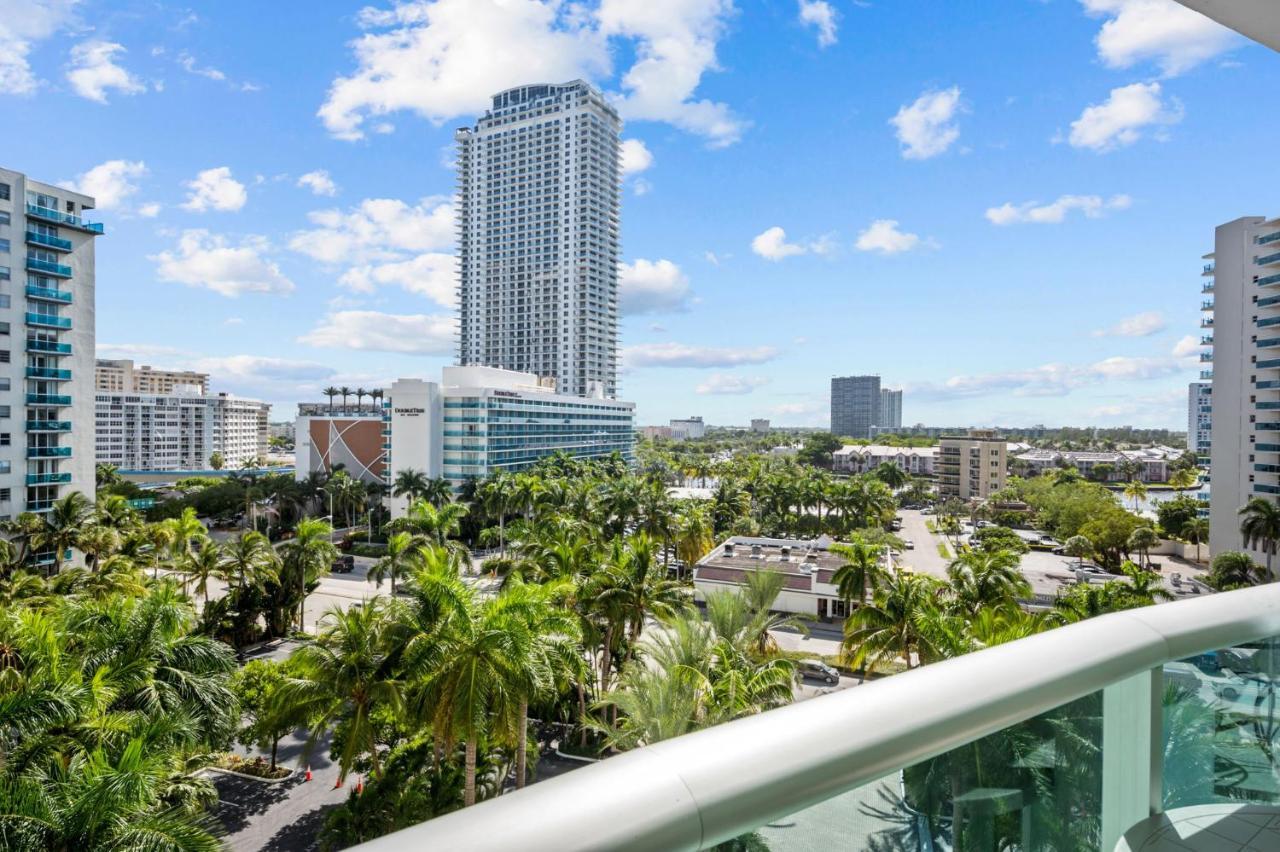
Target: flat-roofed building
point(855, 458)
point(121, 374)
point(972, 466)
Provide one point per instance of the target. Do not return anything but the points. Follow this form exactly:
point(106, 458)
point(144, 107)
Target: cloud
point(685, 355)
point(1162, 31)
point(442, 59)
point(1121, 118)
point(1139, 325)
point(651, 287)
point(634, 157)
point(319, 183)
point(257, 368)
point(413, 334)
point(215, 189)
point(387, 241)
point(110, 183)
point(1055, 212)
point(94, 71)
point(207, 260)
point(1188, 347)
point(927, 127)
point(771, 244)
point(189, 64)
point(1051, 379)
point(22, 24)
point(150, 210)
point(728, 383)
point(822, 17)
point(884, 236)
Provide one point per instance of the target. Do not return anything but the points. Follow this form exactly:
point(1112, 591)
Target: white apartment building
point(1200, 414)
point(538, 218)
point(179, 431)
point(46, 344)
point(689, 427)
point(890, 416)
point(1242, 364)
point(120, 374)
point(917, 461)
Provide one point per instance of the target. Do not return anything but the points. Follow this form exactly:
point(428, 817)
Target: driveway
point(925, 557)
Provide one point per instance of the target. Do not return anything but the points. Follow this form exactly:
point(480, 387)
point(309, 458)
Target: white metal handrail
point(700, 789)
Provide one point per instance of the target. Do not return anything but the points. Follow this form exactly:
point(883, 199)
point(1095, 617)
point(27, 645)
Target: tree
point(107, 475)
point(1136, 491)
point(1260, 526)
point(1183, 479)
point(330, 392)
point(897, 623)
point(994, 539)
point(217, 461)
point(304, 558)
point(987, 579)
point(250, 561)
point(206, 562)
point(1078, 546)
point(1234, 569)
point(1175, 514)
point(891, 475)
point(255, 686)
point(1109, 533)
point(62, 525)
point(360, 393)
point(1141, 540)
point(396, 561)
point(817, 449)
point(435, 525)
point(344, 392)
point(861, 572)
point(1197, 532)
point(410, 483)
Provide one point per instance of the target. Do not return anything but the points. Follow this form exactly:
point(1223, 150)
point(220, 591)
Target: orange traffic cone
point(337, 782)
point(360, 786)
point(307, 777)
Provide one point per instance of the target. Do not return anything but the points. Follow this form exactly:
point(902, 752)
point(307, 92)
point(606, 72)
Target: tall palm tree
point(1233, 570)
point(436, 526)
point(1141, 540)
point(987, 580)
point(305, 557)
point(897, 623)
point(360, 395)
point(1183, 480)
point(410, 483)
point(344, 392)
point(395, 561)
point(1196, 531)
point(1260, 526)
point(250, 561)
point(62, 525)
point(497, 493)
point(437, 491)
point(862, 571)
point(97, 542)
point(330, 392)
point(184, 533)
point(891, 475)
point(203, 564)
point(1136, 491)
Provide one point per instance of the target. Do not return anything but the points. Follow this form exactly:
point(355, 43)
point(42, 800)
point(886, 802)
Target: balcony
point(1268, 280)
point(48, 241)
point(1207, 340)
point(1268, 260)
point(1069, 739)
point(51, 215)
point(48, 425)
point(48, 373)
point(1207, 322)
point(1208, 356)
point(1206, 305)
point(48, 267)
point(1206, 375)
point(50, 346)
point(1265, 239)
point(1208, 269)
point(48, 321)
point(39, 506)
point(47, 478)
point(48, 452)
point(48, 294)
point(1207, 287)
point(47, 399)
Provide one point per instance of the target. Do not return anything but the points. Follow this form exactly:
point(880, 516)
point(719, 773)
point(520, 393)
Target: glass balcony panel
point(51, 346)
point(51, 215)
point(48, 267)
point(48, 294)
point(48, 320)
point(48, 241)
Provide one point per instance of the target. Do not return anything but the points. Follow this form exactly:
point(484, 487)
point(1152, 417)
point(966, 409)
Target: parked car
point(908, 544)
point(818, 670)
point(344, 564)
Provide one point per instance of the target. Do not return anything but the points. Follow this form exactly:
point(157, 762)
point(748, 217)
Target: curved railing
point(707, 787)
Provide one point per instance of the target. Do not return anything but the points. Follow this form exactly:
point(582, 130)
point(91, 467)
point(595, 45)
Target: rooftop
point(796, 558)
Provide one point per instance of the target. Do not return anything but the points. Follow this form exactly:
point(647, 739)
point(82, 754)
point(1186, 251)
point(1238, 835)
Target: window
point(4, 191)
point(6, 439)
point(4, 245)
point(5, 301)
point(4, 356)
point(4, 217)
point(4, 412)
point(6, 467)
point(6, 494)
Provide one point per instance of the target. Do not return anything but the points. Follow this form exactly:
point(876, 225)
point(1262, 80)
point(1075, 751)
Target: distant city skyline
point(982, 247)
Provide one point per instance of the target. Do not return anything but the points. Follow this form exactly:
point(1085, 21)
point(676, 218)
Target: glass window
point(4, 191)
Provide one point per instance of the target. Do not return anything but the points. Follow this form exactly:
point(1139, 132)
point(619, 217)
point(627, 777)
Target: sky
point(999, 207)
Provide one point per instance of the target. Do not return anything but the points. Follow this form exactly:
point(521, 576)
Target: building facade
point(862, 458)
point(142, 432)
point(538, 220)
point(46, 344)
point(855, 405)
point(689, 427)
point(972, 466)
point(1242, 364)
point(121, 375)
point(759, 425)
point(357, 441)
point(1200, 418)
point(890, 412)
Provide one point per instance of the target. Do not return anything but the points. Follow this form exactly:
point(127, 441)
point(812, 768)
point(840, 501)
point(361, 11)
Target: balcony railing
point(49, 267)
point(1206, 305)
point(1267, 238)
point(51, 215)
point(48, 373)
point(37, 239)
point(48, 294)
point(48, 425)
point(1267, 260)
point(1070, 724)
point(50, 346)
point(47, 478)
point(48, 399)
point(48, 452)
point(1270, 279)
point(48, 320)
point(1207, 288)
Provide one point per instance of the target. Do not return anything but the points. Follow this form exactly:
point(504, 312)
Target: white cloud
point(215, 189)
point(927, 127)
point(150, 210)
point(641, 187)
point(22, 24)
point(822, 17)
point(1053, 213)
point(651, 286)
point(1052, 379)
point(884, 236)
point(1138, 325)
point(110, 183)
point(189, 64)
point(207, 260)
point(94, 71)
point(771, 244)
point(1187, 346)
point(387, 241)
point(685, 355)
point(1162, 31)
point(728, 383)
point(414, 334)
point(711, 258)
point(444, 58)
point(1121, 118)
point(319, 183)
point(634, 157)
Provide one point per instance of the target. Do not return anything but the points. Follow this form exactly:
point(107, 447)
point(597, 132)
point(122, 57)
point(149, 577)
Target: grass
point(943, 551)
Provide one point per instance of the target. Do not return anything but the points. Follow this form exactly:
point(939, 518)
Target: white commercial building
point(917, 461)
point(538, 196)
point(1200, 416)
point(47, 350)
point(1243, 364)
point(179, 431)
point(689, 427)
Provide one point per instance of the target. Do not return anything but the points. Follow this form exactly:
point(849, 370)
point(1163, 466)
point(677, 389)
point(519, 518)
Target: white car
point(908, 544)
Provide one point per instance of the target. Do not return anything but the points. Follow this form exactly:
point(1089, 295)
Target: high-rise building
point(121, 375)
point(178, 431)
point(855, 405)
point(1199, 417)
point(45, 391)
point(688, 427)
point(759, 425)
point(1242, 364)
point(538, 196)
point(972, 466)
point(890, 414)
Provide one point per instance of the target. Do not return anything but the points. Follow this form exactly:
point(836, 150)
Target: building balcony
point(1268, 260)
point(47, 478)
point(48, 373)
point(1208, 356)
point(1266, 239)
point(1207, 339)
point(1267, 406)
point(39, 506)
point(48, 321)
point(48, 267)
point(51, 215)
point(1208, 269)
point(49, 346)
point(1207, 288)
point(48, 452)
point(1064, 740)
point(48, 294)
point(48, 399)
point(1268, 280)
point(37, 239)
point(48, 425)
point(1206, 322)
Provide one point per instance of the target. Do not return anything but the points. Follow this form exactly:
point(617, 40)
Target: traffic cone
point(307, 777)
point(337, 782)
point(360, 786)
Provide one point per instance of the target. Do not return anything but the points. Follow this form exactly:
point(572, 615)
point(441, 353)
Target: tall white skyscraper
point(46, 344)
point(1243, 363)
point(538, 237)
point(890, 409)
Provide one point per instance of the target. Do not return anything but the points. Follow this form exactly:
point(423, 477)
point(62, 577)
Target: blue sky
point(1000, 207)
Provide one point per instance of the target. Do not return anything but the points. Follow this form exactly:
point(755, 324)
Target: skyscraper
point(855, 405)
point(538, 237)
point(46, 394)
point(1199, 417)
point(890, 414)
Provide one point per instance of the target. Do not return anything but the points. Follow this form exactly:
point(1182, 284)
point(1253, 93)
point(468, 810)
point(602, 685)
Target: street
point(925, 557)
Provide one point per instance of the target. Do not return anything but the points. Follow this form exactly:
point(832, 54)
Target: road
point(925, 557)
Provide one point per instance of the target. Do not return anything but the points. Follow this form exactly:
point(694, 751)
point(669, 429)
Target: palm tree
point(1196, 531)
point(891, 475)
point(1141, 540)
point(96, 543)
point(437, 492)
point(344, 678)
point(360, 395)
point(250, 560)
point(1136, 491)
point(496, 495)
point(436, 526)
point(307, 556)
point(987, 580)
point(62, 525)
point(1078, 546)
point(861, 572)
point(396, 561)
point(896, 624)
point(1183, 479)
point(183, 531)
point(1233, 570)
point(330, 392)
point(1260, 526)
point(204, 563)
point(344, 392)
point(410, 483)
